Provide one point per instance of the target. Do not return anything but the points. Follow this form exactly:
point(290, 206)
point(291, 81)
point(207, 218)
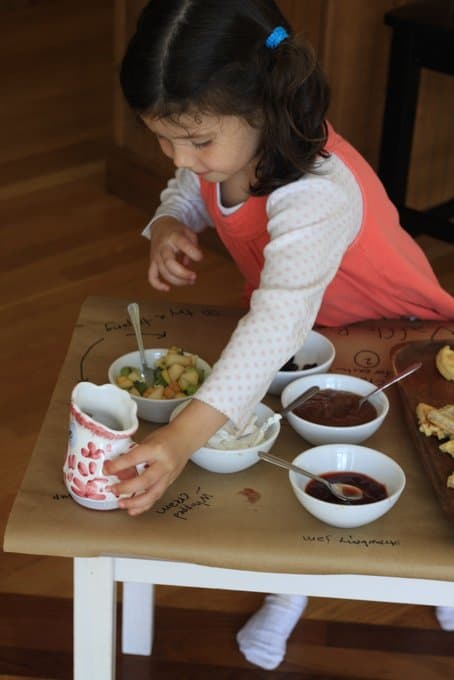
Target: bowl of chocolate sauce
point(379, 476)
point(333, 414)
point(315, 355)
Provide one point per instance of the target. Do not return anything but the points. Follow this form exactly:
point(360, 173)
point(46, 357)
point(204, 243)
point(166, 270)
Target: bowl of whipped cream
point(231, 449)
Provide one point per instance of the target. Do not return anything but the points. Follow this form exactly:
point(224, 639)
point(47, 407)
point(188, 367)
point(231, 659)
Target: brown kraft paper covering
point(247, 520)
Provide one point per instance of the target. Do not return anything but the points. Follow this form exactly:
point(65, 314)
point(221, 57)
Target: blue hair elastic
point(276, 37)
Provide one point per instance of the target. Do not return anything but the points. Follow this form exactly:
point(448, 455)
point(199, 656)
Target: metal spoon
point(293, 404)
point(305, 396)
point(148, 374)
point(345, 492)
point(403, 374)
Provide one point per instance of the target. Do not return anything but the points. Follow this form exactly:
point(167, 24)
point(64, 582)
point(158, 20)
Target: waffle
point(444, 361)
point(448, 447)
point(438, 422)
point(443, 418)
point(426, 426)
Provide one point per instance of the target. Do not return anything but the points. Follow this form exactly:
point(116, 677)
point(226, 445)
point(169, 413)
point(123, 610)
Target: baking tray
point(426, 385)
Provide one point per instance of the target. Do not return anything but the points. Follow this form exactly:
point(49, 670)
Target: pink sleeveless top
point(383, 273)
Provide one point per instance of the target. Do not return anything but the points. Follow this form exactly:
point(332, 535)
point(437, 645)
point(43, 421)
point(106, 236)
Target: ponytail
point(295, 98)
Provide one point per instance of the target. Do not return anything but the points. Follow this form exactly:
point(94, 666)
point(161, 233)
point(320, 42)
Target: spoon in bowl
point(148, 374)
point(344, 492)
point(400, 376)
point(305, 396)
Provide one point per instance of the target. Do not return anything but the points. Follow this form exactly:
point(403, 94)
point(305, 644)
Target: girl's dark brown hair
point(209, 56)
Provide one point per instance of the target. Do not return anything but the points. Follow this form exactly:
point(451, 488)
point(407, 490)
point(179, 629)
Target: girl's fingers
point(155, 279)
point(125, 461)
point(129, 473)
point(179, 272)
point(131, 486)
point(170, 261)
point(188, 247)
point(172, 270)
point(146, 480)
point(139, 503)
point(137, 484)
point(143, 501)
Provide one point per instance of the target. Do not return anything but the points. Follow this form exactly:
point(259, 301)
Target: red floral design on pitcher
point(92, 452)
point(89, 489)
point(86, 470)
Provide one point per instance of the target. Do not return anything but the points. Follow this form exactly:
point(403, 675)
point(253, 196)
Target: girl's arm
point(311, 224)
point(181, 199)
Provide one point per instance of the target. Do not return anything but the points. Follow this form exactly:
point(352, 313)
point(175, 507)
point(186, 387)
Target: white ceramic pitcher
point(103, 419)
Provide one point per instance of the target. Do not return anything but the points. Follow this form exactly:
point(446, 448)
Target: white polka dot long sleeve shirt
point(311, 223)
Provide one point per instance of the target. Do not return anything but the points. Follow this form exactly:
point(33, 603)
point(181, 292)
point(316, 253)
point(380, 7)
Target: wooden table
point(206, 531)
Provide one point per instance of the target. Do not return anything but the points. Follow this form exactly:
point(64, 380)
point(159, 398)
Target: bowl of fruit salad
point(177, 377)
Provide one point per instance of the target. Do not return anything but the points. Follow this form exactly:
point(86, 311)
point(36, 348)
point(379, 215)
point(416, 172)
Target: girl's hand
point(164, 461)
point(173, 247)
point(165, 452)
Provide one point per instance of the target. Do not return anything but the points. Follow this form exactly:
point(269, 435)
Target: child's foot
point(445, 616)
point(263, 639)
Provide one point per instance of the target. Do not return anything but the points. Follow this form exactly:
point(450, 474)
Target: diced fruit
point(179, 359)
point(140, 386)
point(176, 377)
point(154, 392)
point(124, 382)
point(174, 371)
point(171, 390)
point(135, 376)
point(165, 376)
point(189, 377)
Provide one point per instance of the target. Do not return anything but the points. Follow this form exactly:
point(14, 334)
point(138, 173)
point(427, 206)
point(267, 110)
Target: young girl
point(239, 104)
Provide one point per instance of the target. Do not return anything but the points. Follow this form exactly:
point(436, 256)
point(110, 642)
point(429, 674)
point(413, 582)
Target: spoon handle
point(134, 315)
point(337, 489)
point(403, 374)
point(308, 394)
point(280, 462)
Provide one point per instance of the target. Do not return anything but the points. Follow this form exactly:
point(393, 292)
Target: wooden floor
point(64, 238)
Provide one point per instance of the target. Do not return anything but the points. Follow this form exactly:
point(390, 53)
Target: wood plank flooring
point(192, 643)
point(64, 238)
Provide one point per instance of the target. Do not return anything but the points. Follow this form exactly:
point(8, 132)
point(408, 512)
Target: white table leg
point(137, 619)
point(94, 618)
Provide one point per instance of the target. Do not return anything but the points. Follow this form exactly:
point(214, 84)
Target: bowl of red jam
point(379, 476)
point(333, 414)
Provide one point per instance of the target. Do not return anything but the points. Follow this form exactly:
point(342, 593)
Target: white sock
point(263, 638)
point(445, 616)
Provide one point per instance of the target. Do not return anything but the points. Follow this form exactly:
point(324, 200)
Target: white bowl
point(347, 458)
point(326, 434)
point(234, 460)
point(316, 350)
point(154, 410)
